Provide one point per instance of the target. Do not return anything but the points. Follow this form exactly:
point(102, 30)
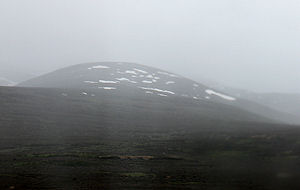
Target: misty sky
point(250, 44)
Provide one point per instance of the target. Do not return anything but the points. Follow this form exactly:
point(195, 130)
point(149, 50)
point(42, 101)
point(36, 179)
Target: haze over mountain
point(251, 45)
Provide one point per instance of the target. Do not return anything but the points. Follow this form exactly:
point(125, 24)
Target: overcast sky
point(250, 44)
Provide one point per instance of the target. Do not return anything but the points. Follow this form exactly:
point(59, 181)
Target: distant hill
point(120, 77)
point(287, 103)
point(6, 82)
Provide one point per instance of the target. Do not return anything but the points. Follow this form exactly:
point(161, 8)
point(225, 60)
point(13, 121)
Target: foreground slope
point(41, 111)
point(91, 139)
point(115, 76)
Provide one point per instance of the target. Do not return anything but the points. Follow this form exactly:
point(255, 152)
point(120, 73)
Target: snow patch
point(157, 90)
point(130, 72)
point(147, 81)
point(170, 82)
point(211, 92)
point(99, 67)
point(90, 82)
point(108, 82)
point(141, 71)
point(149, 76)
point(84, 93)
point(107, 88)
point(162, 95)
point(168, 74)
point(125, 79)
point(149, 92)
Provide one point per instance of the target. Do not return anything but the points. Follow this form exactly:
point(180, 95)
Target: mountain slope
point(123, 77)
point(38, 109)
point(116, 76)
point(285, 103)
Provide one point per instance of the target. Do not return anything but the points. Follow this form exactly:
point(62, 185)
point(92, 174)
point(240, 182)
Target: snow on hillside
point(118, 76)
point(140, 80)
point(211, 92)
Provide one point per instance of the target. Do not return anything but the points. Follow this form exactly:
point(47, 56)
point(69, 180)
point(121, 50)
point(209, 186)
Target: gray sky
point(250, 44)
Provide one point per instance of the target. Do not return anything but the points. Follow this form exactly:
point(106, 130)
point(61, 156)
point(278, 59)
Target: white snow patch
point(91, 82)
point(130, 72)
point(125, 79)
point(168, 74)
point(207, 97)
point(149, 92)
point(156, 78)
point(196, 98)
point(153, 80)
point(147, 81)
point(162, 95)
point(98, 67)
point(84, 93)
point(195, 85)
point(107, 88)
point(141, 71)
point(142, 75)
point(92, 95)
point(211, 92)
point(157, 90)
point(170, 82)
point(149, 76)
point(108, 82)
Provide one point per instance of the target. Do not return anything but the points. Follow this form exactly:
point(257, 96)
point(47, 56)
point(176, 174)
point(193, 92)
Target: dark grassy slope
point(109, 141)
point(54, 112)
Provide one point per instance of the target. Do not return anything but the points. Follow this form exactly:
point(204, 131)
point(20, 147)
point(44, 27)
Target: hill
point(122, 77)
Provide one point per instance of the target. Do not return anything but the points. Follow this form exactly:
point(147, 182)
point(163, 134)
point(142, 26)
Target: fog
point(248, 44)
